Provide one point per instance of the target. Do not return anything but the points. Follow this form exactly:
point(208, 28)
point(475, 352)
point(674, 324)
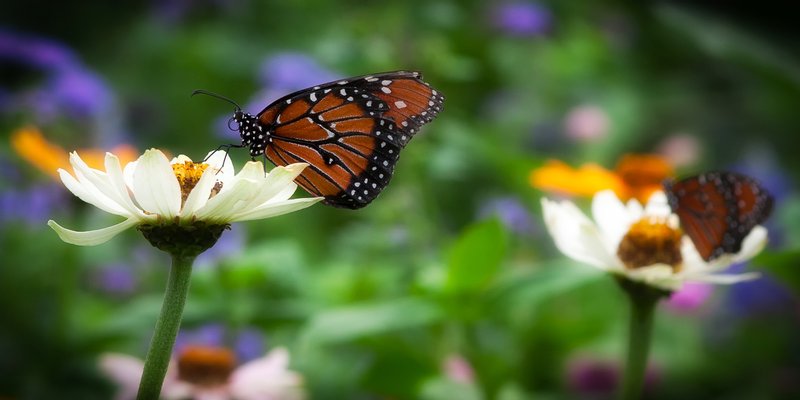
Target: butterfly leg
point(226, 148)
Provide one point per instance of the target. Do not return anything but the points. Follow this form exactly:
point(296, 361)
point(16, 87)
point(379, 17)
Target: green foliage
point(476, 257)
point(372, 303)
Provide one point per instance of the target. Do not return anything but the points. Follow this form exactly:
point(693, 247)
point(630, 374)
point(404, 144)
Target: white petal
point(753, 243)
point(180, 159)
point(267, 378)
point(272, 184)
point(660, 275)
point(612, 217)
point(97, 183)
point(127, 172)
point(87, 194)
point(125, 371)
point(220, 208)
point(724, 279)
point(658, 206)
point(284, 194)
point(155, 186)
point(576, 236)
point(198, 197)
point(117, 179)
point(221, 161)
point(91, 238)
point(274, 209)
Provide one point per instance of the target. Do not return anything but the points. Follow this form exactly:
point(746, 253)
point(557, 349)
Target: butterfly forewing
point(717, 210)
point(350, 132)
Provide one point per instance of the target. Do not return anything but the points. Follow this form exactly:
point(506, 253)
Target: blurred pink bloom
point(458, 369)
point(680, 149)
point(690, 297)
point(586, 123)
point(265, 378)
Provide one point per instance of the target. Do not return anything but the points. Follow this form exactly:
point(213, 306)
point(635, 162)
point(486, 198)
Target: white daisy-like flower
point(643, 244)
point(155, 190)
point(210, 374)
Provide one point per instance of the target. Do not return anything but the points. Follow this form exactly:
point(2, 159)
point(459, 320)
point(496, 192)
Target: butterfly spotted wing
point(350, 132)
point(718, 210)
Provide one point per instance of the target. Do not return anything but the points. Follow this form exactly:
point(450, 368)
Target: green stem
point(643, 299)
point(169, 321)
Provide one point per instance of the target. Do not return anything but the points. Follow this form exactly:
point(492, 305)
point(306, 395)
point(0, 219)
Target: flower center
point(188, 174)
point(206, 366)
point(651, 241)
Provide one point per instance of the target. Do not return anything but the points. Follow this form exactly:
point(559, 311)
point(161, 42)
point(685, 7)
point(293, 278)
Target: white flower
point(265, 378)
point(153, 189)
point(612, 242)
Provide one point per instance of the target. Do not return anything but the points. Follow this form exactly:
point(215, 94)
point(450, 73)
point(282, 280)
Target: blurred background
point(447, 286)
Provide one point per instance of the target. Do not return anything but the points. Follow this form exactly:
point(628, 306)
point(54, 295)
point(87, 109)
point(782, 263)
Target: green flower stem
point(169, 321)
point(643, 299)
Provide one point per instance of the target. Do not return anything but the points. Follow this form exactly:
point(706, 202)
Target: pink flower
point(209, 373)
point(587, 123)
point(458, 369)
point(690, 297)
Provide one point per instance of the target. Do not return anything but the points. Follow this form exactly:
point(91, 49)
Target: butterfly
point(349, 131)
point(718, 210)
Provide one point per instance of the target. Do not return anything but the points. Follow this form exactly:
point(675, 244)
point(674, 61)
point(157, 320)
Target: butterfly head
point(252, 132)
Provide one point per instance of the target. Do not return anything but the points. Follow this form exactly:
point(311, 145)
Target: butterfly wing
point(350, 132)
point(718, 210)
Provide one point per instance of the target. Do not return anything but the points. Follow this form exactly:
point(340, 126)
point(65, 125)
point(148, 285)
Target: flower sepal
point(182, 239)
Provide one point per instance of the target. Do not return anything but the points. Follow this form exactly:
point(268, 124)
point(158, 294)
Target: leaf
point(530, 289)
point(476, 256)
point(783, 265)
point(353, 322)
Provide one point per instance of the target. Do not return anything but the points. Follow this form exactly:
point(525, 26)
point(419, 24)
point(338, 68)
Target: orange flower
point(636, 176)
point(33, 147)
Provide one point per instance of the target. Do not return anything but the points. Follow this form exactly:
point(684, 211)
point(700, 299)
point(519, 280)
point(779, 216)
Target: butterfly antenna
point(219, 96)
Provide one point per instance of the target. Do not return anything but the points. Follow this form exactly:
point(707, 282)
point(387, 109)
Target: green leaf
point(783, 264)
point(476, 256)
point(353, 322)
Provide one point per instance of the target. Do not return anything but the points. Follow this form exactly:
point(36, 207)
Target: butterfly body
point(350, 132)
point(717, 210)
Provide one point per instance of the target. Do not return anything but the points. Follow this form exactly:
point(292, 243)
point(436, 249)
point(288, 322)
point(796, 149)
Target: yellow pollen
point(205, 366)
point(651, 241)
point(188, 175)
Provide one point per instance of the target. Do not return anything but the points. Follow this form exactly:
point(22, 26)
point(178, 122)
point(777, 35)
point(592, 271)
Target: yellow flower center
point(651, 241)
point(206, 366)
point(188, 175)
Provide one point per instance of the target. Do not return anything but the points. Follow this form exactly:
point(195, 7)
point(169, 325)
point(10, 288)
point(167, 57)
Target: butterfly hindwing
point(717, 210)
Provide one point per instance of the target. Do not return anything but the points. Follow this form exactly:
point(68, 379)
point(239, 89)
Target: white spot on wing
point(400, 104)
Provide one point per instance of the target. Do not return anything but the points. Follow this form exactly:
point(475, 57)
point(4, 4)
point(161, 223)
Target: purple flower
point(248, 343)
point(33, 205)
point(511, 213)
point(115, 279)
point(522, 18)
point(35, 52)
point(293, 71)
point(230, 243)
point(212, 335)
point(592, 377)
point(67, 87)
point(596, 378)
point(763, 295)
point(280, 75)
point(79, 92)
